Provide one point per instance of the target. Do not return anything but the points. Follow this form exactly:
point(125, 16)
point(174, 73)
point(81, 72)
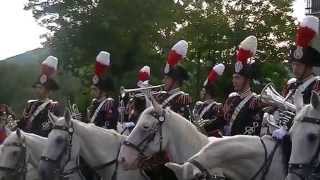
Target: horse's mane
point(96, 129)
point(176, 116)
point(35, 136)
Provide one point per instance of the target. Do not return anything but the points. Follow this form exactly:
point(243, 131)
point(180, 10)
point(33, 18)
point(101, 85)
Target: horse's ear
point(157, 107)
point(67, 116)
point(52, 117)
point(315, 100)
point(177, 169)
point(19, 134)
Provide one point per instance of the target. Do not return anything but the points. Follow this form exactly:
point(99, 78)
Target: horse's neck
point(228, 154)
point(184, 140)
point(35, 145)
point(97, 147)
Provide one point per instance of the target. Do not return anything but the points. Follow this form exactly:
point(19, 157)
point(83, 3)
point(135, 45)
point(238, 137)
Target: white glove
point(129, 125)
point(279, 133)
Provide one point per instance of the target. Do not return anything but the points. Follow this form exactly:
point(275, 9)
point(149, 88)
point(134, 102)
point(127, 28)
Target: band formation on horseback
point(161, 132)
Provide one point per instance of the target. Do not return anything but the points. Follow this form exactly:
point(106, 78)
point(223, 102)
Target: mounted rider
point(137, 100)
point(243, 108)
point(103, 110)
point(303, 57)
point(174, 77)
point(35, 114)
point(208, 114)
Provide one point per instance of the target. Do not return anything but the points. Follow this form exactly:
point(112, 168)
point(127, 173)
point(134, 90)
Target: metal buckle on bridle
point(308, 169)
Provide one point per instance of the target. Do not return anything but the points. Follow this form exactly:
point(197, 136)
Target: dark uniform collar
point(299, 82)
point(173, 91)
point(101, 99)
point(209, 101)
point(245, 93)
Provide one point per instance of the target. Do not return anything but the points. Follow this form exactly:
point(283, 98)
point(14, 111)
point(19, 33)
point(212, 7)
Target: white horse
point(99, 147)
point(305, 135)
point(238, 157)
point(160, 129)
point(20, 156)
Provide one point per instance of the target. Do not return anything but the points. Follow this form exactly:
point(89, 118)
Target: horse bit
point(309, 170)
point(67, 149)
point(20, 167)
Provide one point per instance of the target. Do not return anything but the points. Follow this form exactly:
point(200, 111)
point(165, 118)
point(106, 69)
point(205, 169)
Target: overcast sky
point(19, 32)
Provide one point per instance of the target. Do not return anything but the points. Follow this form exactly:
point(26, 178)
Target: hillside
point(18, 73)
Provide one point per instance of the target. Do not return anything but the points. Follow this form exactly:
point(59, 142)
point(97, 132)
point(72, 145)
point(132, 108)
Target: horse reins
point(309, 169)
point(141, 147)
point(110, 163)
point(204, 172)
point(21, 165)
point(67, 149)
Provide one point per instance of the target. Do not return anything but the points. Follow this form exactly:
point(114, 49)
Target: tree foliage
point(139, 32)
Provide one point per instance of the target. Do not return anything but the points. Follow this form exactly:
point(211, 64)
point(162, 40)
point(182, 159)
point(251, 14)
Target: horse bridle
point(142, 146)
point(311, 169)
point(20, 167)
point(67, 149)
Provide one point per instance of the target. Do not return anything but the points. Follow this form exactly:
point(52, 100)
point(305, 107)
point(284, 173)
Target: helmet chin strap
point(243, 88)
point(304, 75)
point(171, 86)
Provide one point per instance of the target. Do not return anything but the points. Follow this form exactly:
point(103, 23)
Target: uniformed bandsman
point(103, 110)
point(35, 114)
point(303, 57)
point(208, 113)
point(137, 101)
point(174, 77)
point(243, 108)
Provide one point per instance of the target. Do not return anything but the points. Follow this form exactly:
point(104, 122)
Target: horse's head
point(149, 136)
point(305, 136)
point(13, 156)
point(61, 148)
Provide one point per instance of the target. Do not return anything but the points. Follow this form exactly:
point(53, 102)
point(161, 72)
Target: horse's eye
point(145, 127)
point(312, 137)
point(59, 140)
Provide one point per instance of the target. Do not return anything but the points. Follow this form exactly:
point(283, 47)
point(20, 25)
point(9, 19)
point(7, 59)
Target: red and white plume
point(215, 72)
point(49, 67)
point(102, 63)
point(144, 76)
point(247, 49)
point(176, 54)
point(144, 73)
point(308, 29)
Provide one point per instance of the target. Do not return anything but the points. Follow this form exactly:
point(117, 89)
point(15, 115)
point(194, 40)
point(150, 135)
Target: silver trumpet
point(138, 92)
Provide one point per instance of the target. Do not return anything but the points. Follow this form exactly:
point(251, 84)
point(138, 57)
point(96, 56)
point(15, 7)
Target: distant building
point(313, 7)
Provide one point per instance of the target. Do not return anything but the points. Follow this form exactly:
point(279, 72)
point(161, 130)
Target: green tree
point(141, 32)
